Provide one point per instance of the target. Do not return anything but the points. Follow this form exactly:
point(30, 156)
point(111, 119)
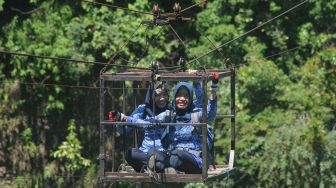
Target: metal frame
point(218, 172)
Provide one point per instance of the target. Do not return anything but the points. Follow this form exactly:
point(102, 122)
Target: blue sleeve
point(211, 106)
point(157, 119)
point(198, 94)
point(211, 110)
point(138, 114)
point(139, 111)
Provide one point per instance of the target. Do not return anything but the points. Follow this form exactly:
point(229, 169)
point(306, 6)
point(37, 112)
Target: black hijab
point(158, 88)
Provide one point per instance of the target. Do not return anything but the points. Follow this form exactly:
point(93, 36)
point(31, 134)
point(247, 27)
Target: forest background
point(285, 91)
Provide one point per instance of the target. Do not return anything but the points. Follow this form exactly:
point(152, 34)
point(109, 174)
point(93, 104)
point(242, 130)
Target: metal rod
point(113, 135)
point(124, 127)
point(151, 124)
point(154, 111)
point(135, 94)
point(101, 133)
point(223, 116)
point(233, 113)
point(204, 131)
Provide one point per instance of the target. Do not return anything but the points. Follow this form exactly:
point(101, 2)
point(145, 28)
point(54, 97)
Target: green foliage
point(1, 3)
point(328, 164)
point(259, 88)
point(289, 158)
point(69, 151)
point(285, 101)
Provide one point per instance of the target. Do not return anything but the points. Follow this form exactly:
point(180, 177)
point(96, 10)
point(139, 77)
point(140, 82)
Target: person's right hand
point(114, 116)
point(117, 116)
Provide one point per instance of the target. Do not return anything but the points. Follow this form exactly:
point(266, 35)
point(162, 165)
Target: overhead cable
point(93, 87)
point(218, 50)
point(114, 56)
point(273, 55)
point(117, 7)
point(69, 60)
point(147, 44)
point(68, 86)
point(192, 6)
point(124, 44)
point(259, 26)
point(182, 42)
point(282, 52)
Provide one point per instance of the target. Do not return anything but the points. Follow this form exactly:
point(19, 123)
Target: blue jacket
point(182, 138)
point(188, 137)
point(152, 135)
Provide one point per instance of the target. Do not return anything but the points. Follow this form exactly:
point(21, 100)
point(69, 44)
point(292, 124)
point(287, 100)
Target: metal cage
point(211, 174)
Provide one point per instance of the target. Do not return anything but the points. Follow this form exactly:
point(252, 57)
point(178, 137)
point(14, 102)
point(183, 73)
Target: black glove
point(214, 85)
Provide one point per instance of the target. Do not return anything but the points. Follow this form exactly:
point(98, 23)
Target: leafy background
point(285, 101)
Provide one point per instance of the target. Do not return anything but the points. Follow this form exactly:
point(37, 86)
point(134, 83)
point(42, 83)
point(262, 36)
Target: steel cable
point(244, 34)
point(67, 59)
point(117, 7)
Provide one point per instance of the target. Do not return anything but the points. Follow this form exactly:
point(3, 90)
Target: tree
point(286, 72)
point(69, 152)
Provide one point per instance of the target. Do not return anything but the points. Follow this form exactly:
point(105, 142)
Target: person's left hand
point(215, 76)
point(214, 85)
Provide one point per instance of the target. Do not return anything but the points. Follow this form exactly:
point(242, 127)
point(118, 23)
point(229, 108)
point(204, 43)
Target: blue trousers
point(180, 160)
point(136, 158)
point(184, 161)
point(161, 159)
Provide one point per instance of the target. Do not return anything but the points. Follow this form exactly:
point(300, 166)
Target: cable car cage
point(108, 134)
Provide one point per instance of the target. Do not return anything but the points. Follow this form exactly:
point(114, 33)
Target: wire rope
point(67, 59)
point(117, 7)
point(147, 46)
point(117, 88)
point(272, 55)
point(182, 42)
point(68, 86)
point(218, 50)
point(253, 29)
point(192, 6)
point(112, 59)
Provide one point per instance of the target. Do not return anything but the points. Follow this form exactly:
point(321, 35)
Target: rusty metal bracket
point(104, 156)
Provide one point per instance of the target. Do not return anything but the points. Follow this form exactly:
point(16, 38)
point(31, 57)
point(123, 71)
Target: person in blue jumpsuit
point(137, 157)
point(185, 141)
point(182, 142)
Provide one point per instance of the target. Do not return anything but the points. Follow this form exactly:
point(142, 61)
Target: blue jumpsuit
point(184, 141)
point(137, 157)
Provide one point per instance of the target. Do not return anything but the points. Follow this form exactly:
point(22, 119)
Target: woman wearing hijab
point(182, 144)
point(185, 141)
point(137, 157)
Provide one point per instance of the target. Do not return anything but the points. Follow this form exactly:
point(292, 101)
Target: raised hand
point(214, 85)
